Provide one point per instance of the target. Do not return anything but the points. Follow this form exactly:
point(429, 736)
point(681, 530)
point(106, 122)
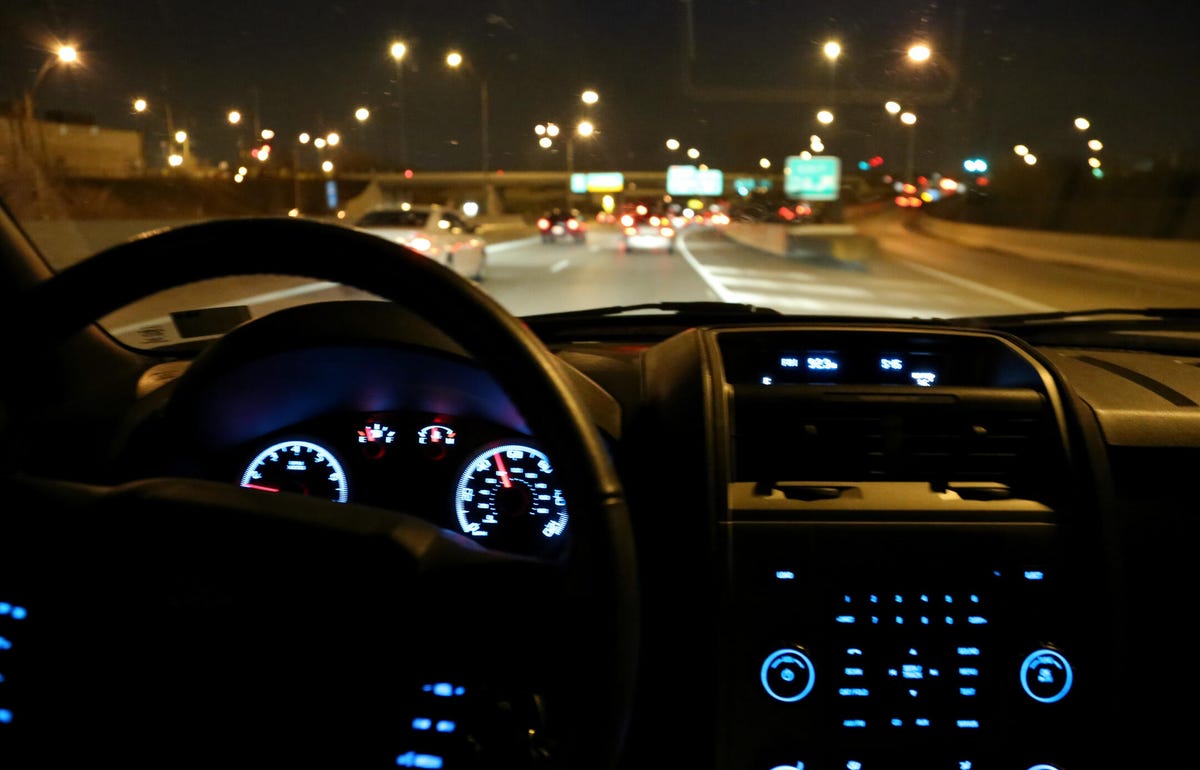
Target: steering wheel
point(180, 622)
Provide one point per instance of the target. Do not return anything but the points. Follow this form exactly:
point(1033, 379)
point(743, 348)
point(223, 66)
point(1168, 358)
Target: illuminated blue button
point(898, 599)
point(1034, 574)
point(5, 644)
point(787, 675)
point(968, 671)
point(968, 650)
point(853, 651)
point(854, 672)
point(899, 620)
point(784, 574)
point(854, 765)
point(967, 691)
point(897, 722)
point(910, 671)
point(922, 723)
point(948, 599)
point(874, 599)
point(413, 759)
point(443, 689)
point(18, 613)
point(912, 651)
point(5, 608)
point(977, 620)
point(845, 618)
point(854, 723)
point(965, 764)
point(924, 620)
point(949, 620)
point(445, 726)
point(974, 599)
point(925, 598)
point(875, 619)
point(968, 724)
point(853, 692)
point(422, 723)
point(5, 716)
point(1046, 676)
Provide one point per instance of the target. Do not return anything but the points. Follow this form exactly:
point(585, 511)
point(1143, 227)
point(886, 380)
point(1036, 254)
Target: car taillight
point(543, 224)
point(572, 224)
point(420, 244)
point(627, 221)
point(668, 231)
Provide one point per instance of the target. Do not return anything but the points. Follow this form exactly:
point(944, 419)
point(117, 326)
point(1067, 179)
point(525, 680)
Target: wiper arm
point(1066, 316)
point(679, 308)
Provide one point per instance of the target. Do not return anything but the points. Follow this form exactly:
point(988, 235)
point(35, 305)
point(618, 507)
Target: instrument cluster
point(465, 474)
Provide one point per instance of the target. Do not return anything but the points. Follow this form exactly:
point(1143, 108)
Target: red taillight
point(572, 224)
point(902, 201)
point(543, 224)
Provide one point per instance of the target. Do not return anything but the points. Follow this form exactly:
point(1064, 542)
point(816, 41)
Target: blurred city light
point(589, 97)
point(67, 54)
point(585, 128)
point(398, 50)
point(764, 163)
point(693, 153)
point(319, 142)
point(539, 129)
point(672, 144)
point(361, 114)
point(1020, 149)
point(174, 160)
point(243, 170)
point(893, 108)
point(238, 178)
point(267, 134)
point(908, 119)
point(234, 117)
point(1094, 162)
point(470, 208)
point(333, 139)
point(180, 136)
point(1083, 124)
point(832, 49)
point(919, 52)
point(1095, 145)
point(140, 105)
point(1030, 158)
point(825, 117)
point(454, 59)
point(806, 155)
point(551, 129)
point(327, 166)
point(304, 137)
point(545, 142)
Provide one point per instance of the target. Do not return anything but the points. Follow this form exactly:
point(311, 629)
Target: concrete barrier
point(1171, 260)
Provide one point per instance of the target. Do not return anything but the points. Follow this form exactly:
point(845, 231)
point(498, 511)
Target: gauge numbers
point(508, 497)
point(298, 466)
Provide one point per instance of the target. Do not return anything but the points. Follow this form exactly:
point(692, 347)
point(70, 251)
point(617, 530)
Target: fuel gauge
point(375, 436)
point(436, 440)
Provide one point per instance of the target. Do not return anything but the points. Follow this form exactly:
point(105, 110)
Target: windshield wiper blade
point(1067, 316)
point(699, 308)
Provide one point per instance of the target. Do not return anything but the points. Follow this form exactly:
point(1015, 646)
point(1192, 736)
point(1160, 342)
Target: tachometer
point(298, 466)
point(509, 497)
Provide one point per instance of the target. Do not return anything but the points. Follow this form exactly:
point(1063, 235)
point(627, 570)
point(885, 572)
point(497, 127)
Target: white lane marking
point(783, 284)
point(1014, 299)
point(560, 265)
point(515, 243)
point(705, 275)
point(750, 273)
point(257, 299)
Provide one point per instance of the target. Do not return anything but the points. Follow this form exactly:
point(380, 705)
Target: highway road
point(914, 276)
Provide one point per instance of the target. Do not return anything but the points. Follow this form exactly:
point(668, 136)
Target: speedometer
point(509, 497)
point(298, 466)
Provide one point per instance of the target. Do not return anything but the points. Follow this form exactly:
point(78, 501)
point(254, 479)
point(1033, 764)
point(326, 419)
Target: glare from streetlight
point(804, 155)
point(825, 117)
point(238, 178)
point(551, 129)
point(140, 105)
point(832, 49)
point(454, 59)
point(174, 160)
point(327, 166)
point(333, 139)
point(539, 129)
point(919, 52)
point(243, 170)
point(398, 50)
point(1095, 145)
point(234, 117)
point(181, 136)
point(1083, 124)
point(672, 144)
point(908, 119)
point(1030, 158)
point(1094, 162)
point(585, 128)
point(693, 153)
point(589, 97)
point(764, 163)
point(1020, 149)
point(304, 137)
point(893, 108)
point(67, 54)
point(267, 134)
point(545, 142)
point(319, 142)
point(361, 114)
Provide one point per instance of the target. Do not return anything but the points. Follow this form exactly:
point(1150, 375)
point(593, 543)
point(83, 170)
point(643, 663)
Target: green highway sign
point(598, 182)
point(818, 178)
point(690, 180)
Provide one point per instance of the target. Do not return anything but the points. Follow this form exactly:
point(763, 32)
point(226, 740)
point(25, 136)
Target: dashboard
point(860, 545)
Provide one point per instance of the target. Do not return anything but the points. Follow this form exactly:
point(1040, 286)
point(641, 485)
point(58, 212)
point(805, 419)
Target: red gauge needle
point(503, 473)
point(259, 487)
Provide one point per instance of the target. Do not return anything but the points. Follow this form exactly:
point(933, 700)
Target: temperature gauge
point(436, 440)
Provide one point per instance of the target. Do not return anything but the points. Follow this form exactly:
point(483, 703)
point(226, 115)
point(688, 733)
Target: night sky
point(743, 80)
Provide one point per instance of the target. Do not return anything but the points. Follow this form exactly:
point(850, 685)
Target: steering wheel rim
point(602, 562)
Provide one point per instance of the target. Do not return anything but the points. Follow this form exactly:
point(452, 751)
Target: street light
point(361, 114)
point(140, 105)
point(333, 139)
point(181, 136)
point(1095, 145)
point(1030, 158)
point(1020, 149)
point(304, 137)
point(1083, 124)
point(832, 49)
point(397, 51)
point(319, 142)
point(825, 117)
point(267, 134)
point(327, 166)
point(545, 142)
point(919, 53)
point(693, 153)
point(589, 97)
point(454, 60)
point(893, 108)
point(585, 129)
point(234, 117)
point(672, 144)
point(764, 163)
point(908, 119)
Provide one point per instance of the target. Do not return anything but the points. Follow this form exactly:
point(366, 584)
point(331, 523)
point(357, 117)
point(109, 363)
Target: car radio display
point(883, 367)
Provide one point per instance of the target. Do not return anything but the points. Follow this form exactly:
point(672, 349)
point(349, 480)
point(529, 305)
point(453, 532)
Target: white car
point(438, 233)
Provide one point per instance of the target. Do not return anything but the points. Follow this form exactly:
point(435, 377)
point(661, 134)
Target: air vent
point(942, 443)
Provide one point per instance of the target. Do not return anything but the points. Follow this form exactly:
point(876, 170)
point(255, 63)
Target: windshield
point(889, 159)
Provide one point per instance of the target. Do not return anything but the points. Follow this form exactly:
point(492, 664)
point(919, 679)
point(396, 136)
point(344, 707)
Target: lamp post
point(455, 61)
point(66, 55)
point(398, 50)
point(909, 119)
